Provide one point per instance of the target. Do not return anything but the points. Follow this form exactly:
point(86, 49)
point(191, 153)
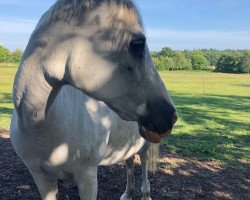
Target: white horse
point(99, 48)
point(90, 132)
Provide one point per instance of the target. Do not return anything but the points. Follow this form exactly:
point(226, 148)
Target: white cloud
point(181, 39)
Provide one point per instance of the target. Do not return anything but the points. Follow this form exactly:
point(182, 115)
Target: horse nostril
point(174, 118)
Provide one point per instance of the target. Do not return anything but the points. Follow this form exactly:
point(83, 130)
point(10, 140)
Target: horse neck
point(35, 88)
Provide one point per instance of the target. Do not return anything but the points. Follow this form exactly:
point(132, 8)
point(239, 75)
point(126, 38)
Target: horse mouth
point(152, 136)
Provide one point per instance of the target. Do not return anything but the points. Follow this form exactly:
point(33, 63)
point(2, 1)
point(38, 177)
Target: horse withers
point(99, 48)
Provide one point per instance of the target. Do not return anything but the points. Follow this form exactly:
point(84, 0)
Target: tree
point(16, 56)
point(167, 52)
point(154, 54)
point(212, 55)
point(187, 53)
point(245, 64)
point(169, 63)
point(157, 63)
point(4, 54)
point(188, 64)
point(230, 62)
point(163, 63)
point(180, 62)
point(199, 61)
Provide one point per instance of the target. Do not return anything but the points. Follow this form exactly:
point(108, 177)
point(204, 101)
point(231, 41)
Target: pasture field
point(6, 81)
point(213, 109)
point(214, 116)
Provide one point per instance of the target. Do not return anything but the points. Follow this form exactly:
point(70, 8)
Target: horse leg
point(145, 188)
point(87, 183)
point(46, 184)
point(130, 188)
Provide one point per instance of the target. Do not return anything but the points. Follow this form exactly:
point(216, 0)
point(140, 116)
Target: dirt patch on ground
point(4, 134)
point(177, 178)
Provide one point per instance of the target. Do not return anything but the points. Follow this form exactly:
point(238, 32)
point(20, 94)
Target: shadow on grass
point(195, 110)
point(206, 146)
point(218, 132)
point(241, 85)
point(6, 98)
point(194, 116)
point(235, 103)
point(6, 111)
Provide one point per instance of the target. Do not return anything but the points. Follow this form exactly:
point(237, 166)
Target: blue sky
point(179, 24)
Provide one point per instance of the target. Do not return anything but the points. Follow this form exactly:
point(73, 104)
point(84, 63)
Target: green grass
point(6, 106)
point(214, 115)
point(213, 109)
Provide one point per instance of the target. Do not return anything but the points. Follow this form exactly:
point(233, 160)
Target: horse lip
point(152, 136)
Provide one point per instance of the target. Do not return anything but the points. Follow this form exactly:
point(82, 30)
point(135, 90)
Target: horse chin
point(151, 136)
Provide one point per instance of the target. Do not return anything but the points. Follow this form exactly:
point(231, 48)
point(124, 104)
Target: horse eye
point(136, 47)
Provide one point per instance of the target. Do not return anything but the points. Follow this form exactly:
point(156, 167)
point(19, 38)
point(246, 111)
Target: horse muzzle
point(152, 136)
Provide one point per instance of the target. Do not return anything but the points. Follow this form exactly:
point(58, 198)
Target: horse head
point(100, 47)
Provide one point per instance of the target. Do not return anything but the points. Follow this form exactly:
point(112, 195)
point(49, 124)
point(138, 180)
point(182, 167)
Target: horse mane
point(66, 10)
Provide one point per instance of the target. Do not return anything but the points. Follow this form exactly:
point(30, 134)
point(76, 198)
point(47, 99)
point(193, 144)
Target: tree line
point(7, 56)
point(229, 61)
